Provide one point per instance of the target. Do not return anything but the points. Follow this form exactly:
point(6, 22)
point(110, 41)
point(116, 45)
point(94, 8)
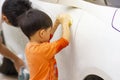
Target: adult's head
point(11, 9)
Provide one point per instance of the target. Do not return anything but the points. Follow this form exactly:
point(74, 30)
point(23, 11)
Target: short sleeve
point(55, 47)
point(46, 50)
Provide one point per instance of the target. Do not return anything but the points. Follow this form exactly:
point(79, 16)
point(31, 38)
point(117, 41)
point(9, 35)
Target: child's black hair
point(34, 20)
point(14, 8)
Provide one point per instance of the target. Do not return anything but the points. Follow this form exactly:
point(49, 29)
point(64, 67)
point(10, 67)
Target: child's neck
point(35, 39)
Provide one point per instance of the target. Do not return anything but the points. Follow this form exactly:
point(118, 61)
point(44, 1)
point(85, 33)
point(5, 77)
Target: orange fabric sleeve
point(61, 43)
point(55, 47)
point(48, 49)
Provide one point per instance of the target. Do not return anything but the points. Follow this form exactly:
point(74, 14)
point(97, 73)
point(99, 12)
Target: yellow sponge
point(71, 22)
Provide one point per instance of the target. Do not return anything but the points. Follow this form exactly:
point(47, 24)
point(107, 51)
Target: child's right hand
point(66, 22)
point(64, 19)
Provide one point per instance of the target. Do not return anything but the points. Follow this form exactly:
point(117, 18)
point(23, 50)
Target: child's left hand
point(65, 18)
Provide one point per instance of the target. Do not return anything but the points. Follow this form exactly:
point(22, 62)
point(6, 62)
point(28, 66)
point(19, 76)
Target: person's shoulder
point(37, 44)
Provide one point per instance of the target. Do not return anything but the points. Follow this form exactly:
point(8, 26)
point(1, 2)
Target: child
point(11, 9)
point(40, 53)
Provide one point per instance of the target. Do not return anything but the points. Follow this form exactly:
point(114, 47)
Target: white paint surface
point(95, 44)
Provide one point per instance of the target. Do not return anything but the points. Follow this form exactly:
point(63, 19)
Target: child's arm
point(56, 46)
point(65, 21)
point(55, 25)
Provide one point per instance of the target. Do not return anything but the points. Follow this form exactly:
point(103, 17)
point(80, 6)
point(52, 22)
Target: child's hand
point(66, 22)
point(65, 19)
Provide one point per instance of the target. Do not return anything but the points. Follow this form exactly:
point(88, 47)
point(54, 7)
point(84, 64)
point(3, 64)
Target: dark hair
point(14, 8)
point(33, 20)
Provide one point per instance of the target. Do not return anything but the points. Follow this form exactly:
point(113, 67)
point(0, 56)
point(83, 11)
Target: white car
point(94, 51)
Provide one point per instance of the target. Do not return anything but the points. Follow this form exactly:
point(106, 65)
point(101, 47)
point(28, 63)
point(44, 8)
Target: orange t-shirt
point(41, 59)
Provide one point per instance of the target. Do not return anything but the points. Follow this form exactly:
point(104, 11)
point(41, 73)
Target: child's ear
point(5, 19)
point(41, 33)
